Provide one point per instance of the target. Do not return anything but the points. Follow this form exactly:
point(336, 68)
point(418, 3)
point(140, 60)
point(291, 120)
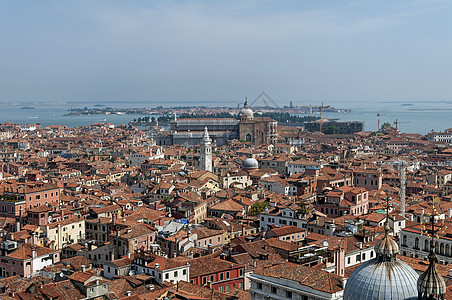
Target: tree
point(385, 125)
point(332, 129)
point(257, 208)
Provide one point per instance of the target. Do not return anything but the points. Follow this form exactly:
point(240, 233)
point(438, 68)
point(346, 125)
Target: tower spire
point(431, 284)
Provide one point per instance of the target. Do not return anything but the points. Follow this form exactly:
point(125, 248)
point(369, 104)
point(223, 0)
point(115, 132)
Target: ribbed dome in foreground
point(383, 277)
point(375, 280)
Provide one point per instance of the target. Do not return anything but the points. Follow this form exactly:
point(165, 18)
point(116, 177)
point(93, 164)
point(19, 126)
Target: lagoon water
point(417, 117)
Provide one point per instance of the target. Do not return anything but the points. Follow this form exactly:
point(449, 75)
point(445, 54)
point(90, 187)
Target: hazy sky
point(222, 50)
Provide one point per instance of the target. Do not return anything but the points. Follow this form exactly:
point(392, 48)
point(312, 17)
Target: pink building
point(25, 259)
point(345, 200)
point(370, 179)
point(34, 193)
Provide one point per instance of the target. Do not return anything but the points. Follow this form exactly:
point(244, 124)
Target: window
point(221, 289)
point(38, 197)
point(364, 256)
point(241, 272)
point(204, 280)
point(274, 290)
point(259, 286)
point(358, 257)
point(228, 289)
point(227, 275)
point(212, 279)
point(348, 260)
point(221, 276)
point(166, 275)
point(175, 273)
point(184, 272)
point(288, 294)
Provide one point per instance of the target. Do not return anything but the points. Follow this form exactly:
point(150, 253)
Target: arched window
point(447, 250)
point(404, 240)
point(416, 243)
point(441, 248)
point(248, 137)
point(426, 245)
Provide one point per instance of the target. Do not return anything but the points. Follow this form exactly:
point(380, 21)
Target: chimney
point(344, 282)
point(128, 255)
point(83, 268)
point(128, 293)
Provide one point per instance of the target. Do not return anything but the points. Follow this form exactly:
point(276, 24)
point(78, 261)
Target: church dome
point(431, 282)
point(250, 163)
point(375, 280)
point(387, 247)
point(246, 112)
point(383, 277)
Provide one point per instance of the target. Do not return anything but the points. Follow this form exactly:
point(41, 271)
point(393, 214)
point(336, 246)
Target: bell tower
point(205, 158)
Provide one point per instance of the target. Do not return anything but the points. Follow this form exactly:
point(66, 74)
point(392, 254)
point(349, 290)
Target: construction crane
point(396, 123)
point(320, 108)
point(401, 166)
point(378, 118)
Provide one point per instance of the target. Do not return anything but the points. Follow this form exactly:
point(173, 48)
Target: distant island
point(203, 111)
point(27, 107)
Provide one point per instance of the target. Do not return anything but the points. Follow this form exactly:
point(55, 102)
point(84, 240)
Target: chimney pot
point(344, 282)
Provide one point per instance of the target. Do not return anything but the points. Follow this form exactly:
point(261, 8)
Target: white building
point(301, 165)
point(414, 242)
point(163, 269)
point(445, 136)
point(280, 217)
point(278, 185)
point(283, 281)
point(138, 157)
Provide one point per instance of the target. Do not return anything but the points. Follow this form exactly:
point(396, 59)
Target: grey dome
point(250, 163)
point(386, 247)
point(383, 277)
point(246, 111)
point(376, 280)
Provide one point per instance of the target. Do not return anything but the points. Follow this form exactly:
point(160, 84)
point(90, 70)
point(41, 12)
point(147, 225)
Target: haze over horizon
point(210, 50)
